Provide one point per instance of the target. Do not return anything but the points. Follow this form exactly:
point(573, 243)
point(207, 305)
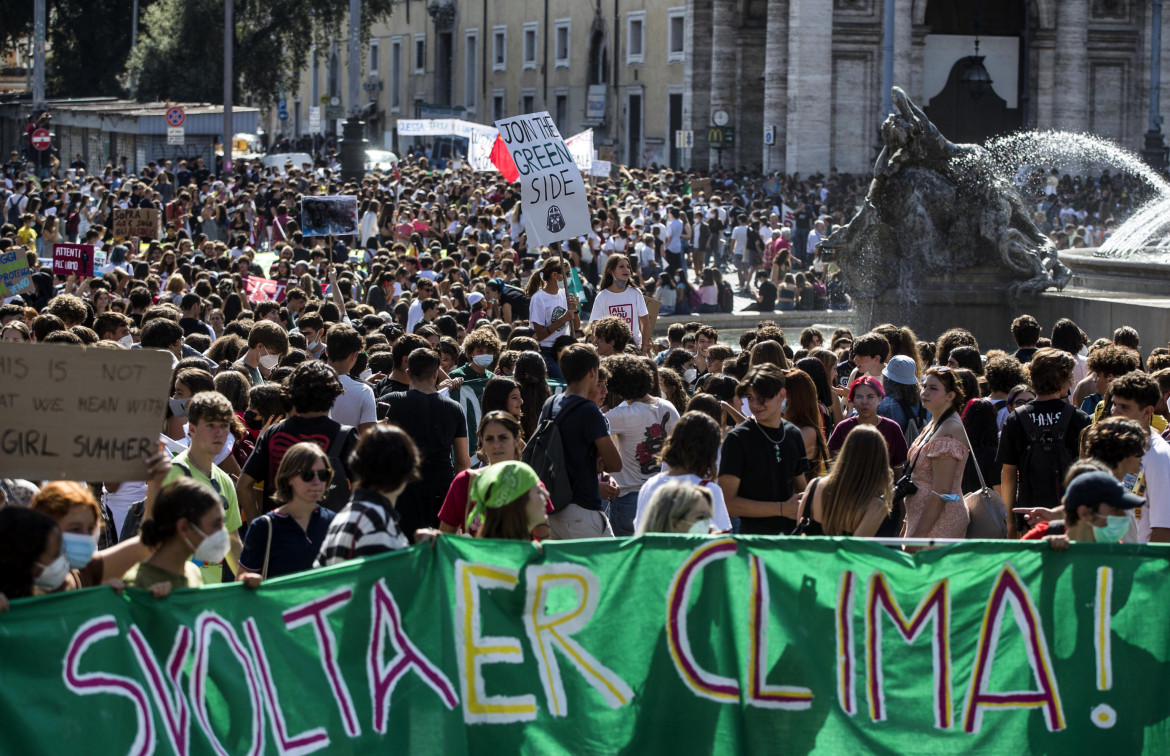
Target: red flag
point(502, 160)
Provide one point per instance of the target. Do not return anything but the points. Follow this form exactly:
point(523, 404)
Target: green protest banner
point(662, 644)
point(470, 398)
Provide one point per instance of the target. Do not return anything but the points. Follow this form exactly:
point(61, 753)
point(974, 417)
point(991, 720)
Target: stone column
point(903, 25)
point(1072, 67)
point(1044, 101)
point(776, 83)
point(697, 78)
point(724, 28)
point(810, 70)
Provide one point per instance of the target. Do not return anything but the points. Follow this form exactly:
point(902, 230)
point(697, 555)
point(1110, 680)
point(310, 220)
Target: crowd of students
point(326, 426)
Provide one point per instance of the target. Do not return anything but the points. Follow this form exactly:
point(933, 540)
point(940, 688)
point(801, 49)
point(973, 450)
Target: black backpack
point(339, 487)
point(545, 452)
point(1045, 461)
point(13, 208)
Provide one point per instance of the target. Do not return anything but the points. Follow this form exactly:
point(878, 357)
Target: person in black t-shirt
point(766, 294)
point(438, 428)
point(312, 388)
point(1051, 372)
point(762, 465)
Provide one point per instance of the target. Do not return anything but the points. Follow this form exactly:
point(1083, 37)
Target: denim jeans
point(621, 513)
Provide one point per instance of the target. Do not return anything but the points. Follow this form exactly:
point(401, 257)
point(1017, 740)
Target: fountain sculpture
point(944, 239)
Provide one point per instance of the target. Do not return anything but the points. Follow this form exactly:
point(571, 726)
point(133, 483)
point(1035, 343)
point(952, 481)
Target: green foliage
point(89, 44)
point(180, 46)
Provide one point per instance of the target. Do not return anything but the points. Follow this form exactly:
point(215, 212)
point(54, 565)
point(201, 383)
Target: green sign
point(720, 136)
point(470, 398)
point(659, 645)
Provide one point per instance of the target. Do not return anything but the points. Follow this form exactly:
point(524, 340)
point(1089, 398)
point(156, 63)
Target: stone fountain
point(943, 239)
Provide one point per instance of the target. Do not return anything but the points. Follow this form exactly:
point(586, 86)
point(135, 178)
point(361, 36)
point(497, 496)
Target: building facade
point(797, 84)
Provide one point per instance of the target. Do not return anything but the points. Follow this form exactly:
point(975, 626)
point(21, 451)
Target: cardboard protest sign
point(701, 185)
point(73, 260)
point(141, 222)
point(15, 275)
point(552, 190)
point(652, 308)
point(329, 216)
point(74, 414)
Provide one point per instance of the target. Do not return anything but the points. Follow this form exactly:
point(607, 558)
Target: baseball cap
point(1099, 487)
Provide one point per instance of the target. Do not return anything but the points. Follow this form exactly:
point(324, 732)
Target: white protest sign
point(551, 188)
point(581, 148)
point(600, 168)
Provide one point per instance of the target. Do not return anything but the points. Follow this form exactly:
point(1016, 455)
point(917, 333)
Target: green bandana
point(500, 484)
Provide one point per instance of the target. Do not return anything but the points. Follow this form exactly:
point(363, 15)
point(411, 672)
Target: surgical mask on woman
point(179, 406)
point(213, 548)
point(53, 574)
point(79, 548)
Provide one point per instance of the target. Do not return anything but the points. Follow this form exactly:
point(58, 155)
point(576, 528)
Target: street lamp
point(975, 76)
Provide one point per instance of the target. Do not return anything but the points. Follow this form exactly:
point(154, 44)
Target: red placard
point(73, 259)
point(261, 289)
point(41, 140)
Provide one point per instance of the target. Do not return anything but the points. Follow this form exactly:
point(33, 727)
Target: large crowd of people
point(320, 421)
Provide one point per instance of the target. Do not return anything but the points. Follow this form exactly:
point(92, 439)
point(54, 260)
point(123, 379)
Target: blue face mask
point(1114, 530)
point(78, 549)
point(483, 360)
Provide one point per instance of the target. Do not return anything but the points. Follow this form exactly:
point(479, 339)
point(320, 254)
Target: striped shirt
point(366, 526)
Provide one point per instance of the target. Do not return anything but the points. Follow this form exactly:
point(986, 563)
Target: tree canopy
point(180, 45)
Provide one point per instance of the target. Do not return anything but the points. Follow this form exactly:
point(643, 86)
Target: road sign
point(769, 135)
point(175, 116)
point(41, 139)
point(314, 120)
point(282, 115)
point(684, 140)
point(176, 135)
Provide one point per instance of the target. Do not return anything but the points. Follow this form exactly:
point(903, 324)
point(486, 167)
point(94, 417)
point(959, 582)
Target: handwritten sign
point(140, 222)
point(73, 260)
point(15, 275)
point(551, 188)
point(74, 414)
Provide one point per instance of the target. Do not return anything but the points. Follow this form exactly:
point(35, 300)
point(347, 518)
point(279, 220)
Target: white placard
point(315, 120)
point(600, 168)
point(176, 135)
point(581, 148)
point(551, 188)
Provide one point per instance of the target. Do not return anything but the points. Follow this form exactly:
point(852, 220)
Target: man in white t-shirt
point(739, 246)
point(356, 406)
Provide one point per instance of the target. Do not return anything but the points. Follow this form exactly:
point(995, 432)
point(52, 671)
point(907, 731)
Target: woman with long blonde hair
point(854, 499)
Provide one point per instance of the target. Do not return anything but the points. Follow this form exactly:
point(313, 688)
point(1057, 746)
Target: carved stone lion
point(935, 208)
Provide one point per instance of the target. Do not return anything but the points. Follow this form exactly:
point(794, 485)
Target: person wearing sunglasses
point(287, 539)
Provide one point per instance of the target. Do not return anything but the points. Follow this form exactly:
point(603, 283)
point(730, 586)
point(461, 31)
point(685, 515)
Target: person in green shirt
point(209, 415)
point(267, 343)
point(482, 347)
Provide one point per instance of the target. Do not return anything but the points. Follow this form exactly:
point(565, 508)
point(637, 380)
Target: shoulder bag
point(986, 507)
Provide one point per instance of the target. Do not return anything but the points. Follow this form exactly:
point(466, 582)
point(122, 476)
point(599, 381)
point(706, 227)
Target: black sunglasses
point(322, 475)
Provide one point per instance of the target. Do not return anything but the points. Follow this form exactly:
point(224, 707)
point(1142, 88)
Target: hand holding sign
point(551, 188)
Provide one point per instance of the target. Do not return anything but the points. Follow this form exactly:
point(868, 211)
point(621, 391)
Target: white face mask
point(483, 360)
point(269, 361)
point(213, 548)
point(53, 575)
point(690, 374)
point(702, 527)
point(127, 340)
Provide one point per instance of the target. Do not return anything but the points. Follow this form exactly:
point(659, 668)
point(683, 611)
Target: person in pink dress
point(938, 456)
